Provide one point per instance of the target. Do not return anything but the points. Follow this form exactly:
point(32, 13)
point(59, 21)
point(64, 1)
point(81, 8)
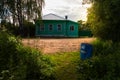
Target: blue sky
point(73, 8)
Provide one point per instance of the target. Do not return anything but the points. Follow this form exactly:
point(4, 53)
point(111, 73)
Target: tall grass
point(65, 65)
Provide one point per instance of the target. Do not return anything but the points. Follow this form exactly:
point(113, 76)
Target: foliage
point(20, 10)
point(86, 1)
point(38, 66)
point(9, 27)
point(104, 17)
point(23, 8)
point(22, 63)
point(100, 68)
point(84, 29)
point(103, 47)
point(83, 25)
point(29, 28)
point(104, 65)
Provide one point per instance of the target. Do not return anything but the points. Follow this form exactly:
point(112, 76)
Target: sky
point(72, 8)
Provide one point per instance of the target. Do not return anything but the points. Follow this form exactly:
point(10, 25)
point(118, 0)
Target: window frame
point(72, 28)
point(50, 27)
point(42, 27)
point(59, 27)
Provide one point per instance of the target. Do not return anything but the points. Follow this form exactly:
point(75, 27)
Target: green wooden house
point(52, 25)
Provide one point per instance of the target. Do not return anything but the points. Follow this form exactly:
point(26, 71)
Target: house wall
point(72, 33)
point(54, 31)
point(64, 32)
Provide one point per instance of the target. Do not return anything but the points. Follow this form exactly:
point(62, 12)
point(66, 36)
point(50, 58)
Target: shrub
point(104, 65)
point(37, 65)
point(102, 47)
point(100, 68)
point(22, 63)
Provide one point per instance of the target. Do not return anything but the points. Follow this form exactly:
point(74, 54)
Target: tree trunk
point(20, 17)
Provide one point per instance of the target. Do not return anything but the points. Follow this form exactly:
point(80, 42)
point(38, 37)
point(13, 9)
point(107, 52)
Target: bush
point(37, 65)
point(102, 47)
point(100, 68)
point(22, 63)
point(104, 65)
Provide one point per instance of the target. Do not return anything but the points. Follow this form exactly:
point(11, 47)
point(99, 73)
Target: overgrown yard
point(24, 63)
point(54, 45)
point(65, 65)
point(66, 57)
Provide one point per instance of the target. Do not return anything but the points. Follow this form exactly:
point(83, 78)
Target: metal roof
point(52, 17)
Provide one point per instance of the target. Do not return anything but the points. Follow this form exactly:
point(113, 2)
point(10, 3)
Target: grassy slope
point(65, 65)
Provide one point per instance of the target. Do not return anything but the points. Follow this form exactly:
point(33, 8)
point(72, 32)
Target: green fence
point(85, 33)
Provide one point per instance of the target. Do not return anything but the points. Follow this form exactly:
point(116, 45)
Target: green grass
point(65, 65)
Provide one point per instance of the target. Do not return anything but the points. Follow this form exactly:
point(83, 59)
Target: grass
point(65, 65)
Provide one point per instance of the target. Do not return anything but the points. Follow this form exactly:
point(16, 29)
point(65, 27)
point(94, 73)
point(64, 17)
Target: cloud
point(73, 1)
point(73, 8)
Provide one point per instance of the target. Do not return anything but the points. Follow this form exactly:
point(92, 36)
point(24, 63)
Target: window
point(71, 28)
point(50, 27)
point(59, 27)
point(42, 28)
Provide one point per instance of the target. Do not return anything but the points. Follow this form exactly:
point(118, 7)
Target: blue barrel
point(86, 51)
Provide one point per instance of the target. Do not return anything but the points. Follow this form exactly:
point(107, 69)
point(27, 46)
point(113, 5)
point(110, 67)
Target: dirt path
point(57, 45)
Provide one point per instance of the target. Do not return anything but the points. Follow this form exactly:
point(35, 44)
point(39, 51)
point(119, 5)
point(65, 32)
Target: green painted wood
point(72, 33)
point(83, 33)
point(65, 28)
